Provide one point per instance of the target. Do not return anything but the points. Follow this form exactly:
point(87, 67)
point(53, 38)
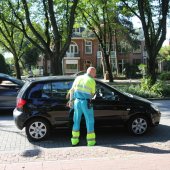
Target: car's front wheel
point(37, 129)
point(138, 125)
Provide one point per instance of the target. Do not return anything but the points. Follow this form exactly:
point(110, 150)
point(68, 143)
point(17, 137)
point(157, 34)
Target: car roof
point(4, 75)
point(51, 78)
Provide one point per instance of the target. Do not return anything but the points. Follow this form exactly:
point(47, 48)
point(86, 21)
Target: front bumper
point(156, 119)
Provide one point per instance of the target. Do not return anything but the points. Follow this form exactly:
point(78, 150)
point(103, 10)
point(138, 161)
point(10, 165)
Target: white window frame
point(73, 48)
point(87, 45)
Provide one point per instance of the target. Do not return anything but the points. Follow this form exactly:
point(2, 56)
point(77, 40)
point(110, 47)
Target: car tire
point(37, 129)
point(138, 125)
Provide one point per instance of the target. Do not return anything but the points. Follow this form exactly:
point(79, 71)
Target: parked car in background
point(9, 87)
point(41, 105)
point(79, 73)
point(84, 72)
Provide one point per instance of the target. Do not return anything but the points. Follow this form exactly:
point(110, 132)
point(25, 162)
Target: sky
point(137, 24)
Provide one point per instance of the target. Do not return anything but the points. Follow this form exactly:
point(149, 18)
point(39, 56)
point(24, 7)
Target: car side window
point(36, 91)
point(105, 93)
point(61, 88)
point(46, 90)
point(58, 89)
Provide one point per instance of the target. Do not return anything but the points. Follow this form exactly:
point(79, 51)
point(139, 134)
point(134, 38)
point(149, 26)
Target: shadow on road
point(117, 138)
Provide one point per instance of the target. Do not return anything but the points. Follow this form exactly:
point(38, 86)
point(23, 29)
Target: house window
point(136, 61)
point(138, 50)
point(73, 48)
point(88, 47)
point(76, 30)
point(87, 64)
point(71, 66)
point(107, 47)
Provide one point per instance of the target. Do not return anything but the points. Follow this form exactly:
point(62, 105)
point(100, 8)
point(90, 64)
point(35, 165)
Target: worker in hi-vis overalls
point(81, 93)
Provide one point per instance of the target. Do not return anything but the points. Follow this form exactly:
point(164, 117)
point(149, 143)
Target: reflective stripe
point(74, 141)
point(91, 143)
point(83, 86)
point(75, 134)
point(91, 139)
point(91, 136)
point(75, 137)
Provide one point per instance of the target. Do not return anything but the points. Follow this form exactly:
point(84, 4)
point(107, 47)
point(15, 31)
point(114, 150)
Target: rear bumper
point(19, 119)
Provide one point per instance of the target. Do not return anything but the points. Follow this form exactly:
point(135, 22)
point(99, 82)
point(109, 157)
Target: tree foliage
point(47, 24)
point(11, 39)
point(164, 53)
point(109, 23)
point(153, 16)
point(30, 57)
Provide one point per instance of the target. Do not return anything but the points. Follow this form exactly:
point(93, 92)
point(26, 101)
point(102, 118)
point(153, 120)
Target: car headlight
point(155, 107)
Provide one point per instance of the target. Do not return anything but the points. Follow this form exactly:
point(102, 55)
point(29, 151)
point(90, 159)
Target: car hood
point(138, 98)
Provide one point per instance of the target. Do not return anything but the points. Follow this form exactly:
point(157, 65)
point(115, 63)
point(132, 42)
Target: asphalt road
point(110, 141)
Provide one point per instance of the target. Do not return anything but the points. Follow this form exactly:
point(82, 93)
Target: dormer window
point(76, 30)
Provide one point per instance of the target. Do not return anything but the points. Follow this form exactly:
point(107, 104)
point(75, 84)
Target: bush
point(158, 90)
point(164, 76)
point(166, 91)
point(137, 90)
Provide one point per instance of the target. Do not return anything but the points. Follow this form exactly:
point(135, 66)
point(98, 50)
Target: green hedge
point(164, 76)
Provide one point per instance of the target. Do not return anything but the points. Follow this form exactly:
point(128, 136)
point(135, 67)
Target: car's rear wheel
point(37, 129)
point(138, 125)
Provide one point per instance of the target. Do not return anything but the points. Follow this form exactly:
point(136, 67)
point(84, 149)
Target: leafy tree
point(11, 39)
point(30, 57)
point(153, 16)
point(3, 65)
point(109, 23)
point(48, 21)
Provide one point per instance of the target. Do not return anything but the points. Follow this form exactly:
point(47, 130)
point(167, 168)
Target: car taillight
point(21, 103)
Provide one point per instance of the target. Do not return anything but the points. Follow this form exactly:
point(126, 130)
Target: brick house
point(84, 51)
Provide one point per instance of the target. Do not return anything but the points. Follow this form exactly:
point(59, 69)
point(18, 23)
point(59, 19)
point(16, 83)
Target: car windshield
point(128, 94)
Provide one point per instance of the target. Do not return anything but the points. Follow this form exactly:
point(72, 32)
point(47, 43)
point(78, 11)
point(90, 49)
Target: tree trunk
point(152, 70)
point(17, 68)
point(103, 65)
point(108, 68)
point(56, 64)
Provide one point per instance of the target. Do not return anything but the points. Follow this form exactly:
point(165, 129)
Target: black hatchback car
point(41, 105)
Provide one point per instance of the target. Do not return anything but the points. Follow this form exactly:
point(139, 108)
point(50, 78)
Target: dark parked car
point(83, 72)
point(9, 87)
point(41, 105)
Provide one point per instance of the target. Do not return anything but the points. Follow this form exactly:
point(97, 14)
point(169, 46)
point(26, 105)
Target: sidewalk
point(139, 162)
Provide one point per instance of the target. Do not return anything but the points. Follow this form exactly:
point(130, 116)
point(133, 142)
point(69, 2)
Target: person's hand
point(70, 104)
